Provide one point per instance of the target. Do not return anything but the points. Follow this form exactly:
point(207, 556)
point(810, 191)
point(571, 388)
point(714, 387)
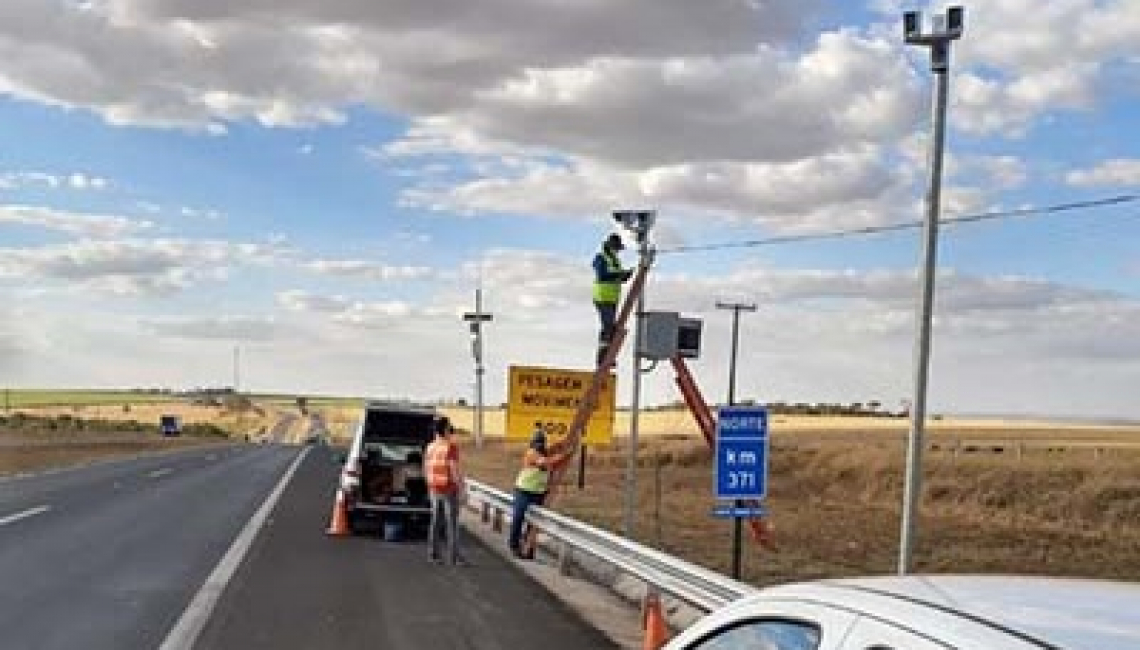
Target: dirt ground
point(835, 502)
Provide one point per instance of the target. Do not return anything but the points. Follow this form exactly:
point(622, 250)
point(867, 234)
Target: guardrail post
point(563, 558)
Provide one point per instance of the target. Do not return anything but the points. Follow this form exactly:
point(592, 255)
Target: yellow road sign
point(549, 397)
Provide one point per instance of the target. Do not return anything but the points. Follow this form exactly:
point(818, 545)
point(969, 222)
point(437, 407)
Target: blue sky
point(325, 184)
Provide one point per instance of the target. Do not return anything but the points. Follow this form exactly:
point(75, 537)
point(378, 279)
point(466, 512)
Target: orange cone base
point(656, 631)
point(339, 524)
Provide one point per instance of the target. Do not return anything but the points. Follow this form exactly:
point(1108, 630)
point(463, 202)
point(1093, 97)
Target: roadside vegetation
point(30, 442)
point(1064, 503)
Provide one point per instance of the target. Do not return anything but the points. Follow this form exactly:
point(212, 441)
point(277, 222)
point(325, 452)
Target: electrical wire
point(909, 225)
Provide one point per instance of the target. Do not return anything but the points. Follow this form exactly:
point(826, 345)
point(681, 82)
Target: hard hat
point(614, 241)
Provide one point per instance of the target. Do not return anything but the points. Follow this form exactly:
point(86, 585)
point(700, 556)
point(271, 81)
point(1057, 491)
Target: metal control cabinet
point(666, 334)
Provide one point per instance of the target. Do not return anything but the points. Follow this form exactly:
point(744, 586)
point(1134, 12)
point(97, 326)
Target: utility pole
point(639, 222)
point(475, 322)
point(945, 28)
point(736, 308)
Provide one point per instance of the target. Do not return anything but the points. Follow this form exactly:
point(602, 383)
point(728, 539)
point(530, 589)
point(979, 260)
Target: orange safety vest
point(438, 459)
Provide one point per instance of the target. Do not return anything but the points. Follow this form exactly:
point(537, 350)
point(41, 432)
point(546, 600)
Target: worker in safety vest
point(531, 484)
point(445, 491)
point(608, 278)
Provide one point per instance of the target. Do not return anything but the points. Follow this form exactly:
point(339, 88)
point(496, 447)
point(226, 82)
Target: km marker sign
point(742, 453)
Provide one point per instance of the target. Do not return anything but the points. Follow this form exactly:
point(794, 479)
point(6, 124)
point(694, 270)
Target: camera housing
point(912, 24)
point(639, 222)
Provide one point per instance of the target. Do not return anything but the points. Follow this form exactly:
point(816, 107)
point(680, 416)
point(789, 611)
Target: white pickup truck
point(382, 479)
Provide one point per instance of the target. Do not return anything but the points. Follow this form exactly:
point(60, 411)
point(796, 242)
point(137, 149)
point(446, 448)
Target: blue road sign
point(741, 452)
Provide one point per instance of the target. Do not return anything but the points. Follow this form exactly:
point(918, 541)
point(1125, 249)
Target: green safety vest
point(609, 292)
point(532, 479)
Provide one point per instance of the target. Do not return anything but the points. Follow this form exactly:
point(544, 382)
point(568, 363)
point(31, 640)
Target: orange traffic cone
point(656, 631)
point(339, 524)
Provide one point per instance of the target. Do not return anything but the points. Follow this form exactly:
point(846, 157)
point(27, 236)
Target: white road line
point(159, 472)
point(32, 512)
point(190, 625)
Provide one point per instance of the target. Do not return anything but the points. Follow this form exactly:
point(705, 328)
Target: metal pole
point(475, 322)
point(939, 44)
point(634, 410)
point(737, 524)
point(479, 372)
point(237, 369)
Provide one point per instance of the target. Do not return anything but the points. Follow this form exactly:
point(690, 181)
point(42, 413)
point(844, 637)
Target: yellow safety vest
point(608, 292)
point(533, 479)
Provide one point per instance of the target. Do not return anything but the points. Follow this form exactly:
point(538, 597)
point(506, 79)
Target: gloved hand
point(625, 275)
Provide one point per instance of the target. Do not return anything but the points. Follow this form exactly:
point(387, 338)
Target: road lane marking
point(31, 512)
point(190, 625)
point(160, 472)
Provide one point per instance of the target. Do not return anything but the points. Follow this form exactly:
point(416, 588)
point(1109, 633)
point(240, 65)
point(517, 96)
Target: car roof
point(1069, 613)
point(401, 406)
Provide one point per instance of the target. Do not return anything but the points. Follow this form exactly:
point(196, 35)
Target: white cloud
point(360, 313)
point(199, 213)
point(846, 188)
point(369, 270)
point(230, 328)
point(1118, 171)
point(88, 225)
point(1020, 60)
point(134, 266)
point(304, 301)
point(297, 62)
point(75, 181)
point(637, 113)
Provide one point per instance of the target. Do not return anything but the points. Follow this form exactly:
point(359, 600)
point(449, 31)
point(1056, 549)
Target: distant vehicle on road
point(170, 425)
point(382, 479)
point(927, 613)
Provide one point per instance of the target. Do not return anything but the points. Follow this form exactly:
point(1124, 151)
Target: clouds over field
point(326, 182)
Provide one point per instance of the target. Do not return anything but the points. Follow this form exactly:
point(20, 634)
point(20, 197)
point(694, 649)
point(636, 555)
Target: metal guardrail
point(700, 587)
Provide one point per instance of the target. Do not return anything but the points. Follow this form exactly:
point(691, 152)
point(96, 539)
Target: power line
point(874, 230)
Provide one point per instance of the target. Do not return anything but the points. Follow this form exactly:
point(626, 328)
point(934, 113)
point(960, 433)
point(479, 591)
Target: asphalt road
point(108, 556)
point(299, 589)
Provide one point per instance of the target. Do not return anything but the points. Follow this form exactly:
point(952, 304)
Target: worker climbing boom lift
point(640, 223)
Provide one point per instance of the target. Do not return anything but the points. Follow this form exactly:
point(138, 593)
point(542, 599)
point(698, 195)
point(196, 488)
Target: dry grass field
point(1054, 504)
point(30, 443)
point(679, 422)
point(1027, 497)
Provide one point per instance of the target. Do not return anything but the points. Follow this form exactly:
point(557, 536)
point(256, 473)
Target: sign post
point(741, 470)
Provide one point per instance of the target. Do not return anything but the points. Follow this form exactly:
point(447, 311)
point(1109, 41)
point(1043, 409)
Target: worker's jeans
point(523, 501)
point(607, 316)
point(444, 512)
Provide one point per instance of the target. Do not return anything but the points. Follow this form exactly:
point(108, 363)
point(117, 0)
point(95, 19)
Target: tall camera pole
point(736, 308)
point(475, 322)
point(639, 222)
point(946, 28)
